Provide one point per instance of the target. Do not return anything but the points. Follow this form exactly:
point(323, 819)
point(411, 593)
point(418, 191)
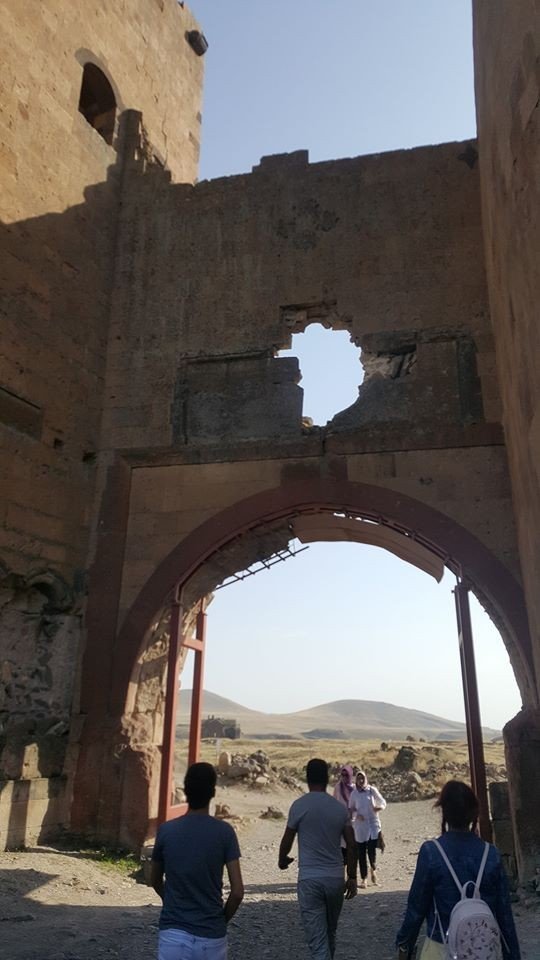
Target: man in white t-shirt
point(320, 822)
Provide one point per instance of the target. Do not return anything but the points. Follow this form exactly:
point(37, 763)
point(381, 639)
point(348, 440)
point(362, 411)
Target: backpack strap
point(481, 871)
point(453, 873)
point(451, 869)
point(437, 922)
point(477, 882)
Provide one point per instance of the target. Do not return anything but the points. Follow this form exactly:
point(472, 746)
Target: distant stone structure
point(154, 443)
point(218, 727)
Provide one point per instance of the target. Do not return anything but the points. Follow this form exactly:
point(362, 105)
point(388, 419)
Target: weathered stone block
point(237, 398)
point(499, 801)
point(522, 750)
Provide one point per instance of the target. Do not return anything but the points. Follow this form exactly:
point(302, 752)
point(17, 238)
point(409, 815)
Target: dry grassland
point(291, 756)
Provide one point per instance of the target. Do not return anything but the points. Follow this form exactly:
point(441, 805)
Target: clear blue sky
point(340, 79)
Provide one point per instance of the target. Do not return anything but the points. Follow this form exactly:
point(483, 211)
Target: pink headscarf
point(346, 787)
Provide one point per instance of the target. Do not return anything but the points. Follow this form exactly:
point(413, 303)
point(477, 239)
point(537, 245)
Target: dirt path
point(56, 906)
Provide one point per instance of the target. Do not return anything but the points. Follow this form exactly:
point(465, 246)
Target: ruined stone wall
point(60, 186)
point(387, 247)
point(212, 280)
point(507, 68)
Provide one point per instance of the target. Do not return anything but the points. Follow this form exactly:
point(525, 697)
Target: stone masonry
point(153, 437)
point(59, 202)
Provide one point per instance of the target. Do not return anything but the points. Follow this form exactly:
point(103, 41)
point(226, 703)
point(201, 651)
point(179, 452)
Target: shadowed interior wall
point(507, 45)
point(507, 72)
point(60, 185)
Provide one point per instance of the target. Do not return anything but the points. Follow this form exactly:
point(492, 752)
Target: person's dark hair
point(459, 806)
point(317, 773)
point(200, 785)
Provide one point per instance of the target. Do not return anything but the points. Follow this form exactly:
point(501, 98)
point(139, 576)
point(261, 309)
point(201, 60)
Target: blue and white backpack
point(473, 932)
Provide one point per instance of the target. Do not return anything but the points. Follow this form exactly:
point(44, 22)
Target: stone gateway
point(153, 441)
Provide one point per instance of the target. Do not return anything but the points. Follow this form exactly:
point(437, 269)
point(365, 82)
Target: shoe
point(374, 880)
point(362, 885)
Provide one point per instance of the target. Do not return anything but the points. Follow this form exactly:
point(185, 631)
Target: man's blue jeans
point(179, 945)
point(320, 903)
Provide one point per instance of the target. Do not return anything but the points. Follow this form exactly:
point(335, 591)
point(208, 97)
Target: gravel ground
point(59, 906)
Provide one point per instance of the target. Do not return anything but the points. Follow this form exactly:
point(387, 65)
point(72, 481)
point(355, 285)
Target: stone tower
point(76, 78)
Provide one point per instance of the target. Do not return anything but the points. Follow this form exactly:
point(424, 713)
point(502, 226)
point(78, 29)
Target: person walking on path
point(320, 821)
point(342, 792)
point(434, 893)
point(191, 851)
point(365, 804)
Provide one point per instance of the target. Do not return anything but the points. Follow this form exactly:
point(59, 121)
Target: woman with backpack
point(458, 864)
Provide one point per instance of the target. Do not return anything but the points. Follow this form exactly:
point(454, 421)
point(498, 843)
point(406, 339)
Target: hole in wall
point(97, 102)
point(331, 371)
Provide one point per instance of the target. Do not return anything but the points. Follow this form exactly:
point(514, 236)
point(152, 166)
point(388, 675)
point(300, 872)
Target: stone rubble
point(400, 781)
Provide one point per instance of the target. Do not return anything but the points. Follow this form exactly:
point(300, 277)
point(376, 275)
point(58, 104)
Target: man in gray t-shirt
point(320, 822)
point(192, 852)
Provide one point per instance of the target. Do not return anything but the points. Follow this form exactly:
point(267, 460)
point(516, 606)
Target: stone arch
point(493, 584)
point(128, 790)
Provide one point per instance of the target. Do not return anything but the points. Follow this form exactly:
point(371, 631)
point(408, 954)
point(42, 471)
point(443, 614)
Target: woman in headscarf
point(342, 792)
point(365, 804)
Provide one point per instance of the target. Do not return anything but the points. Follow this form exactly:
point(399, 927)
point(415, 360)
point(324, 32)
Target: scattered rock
point(237, 771)
point(272, 813)
point(224, 762)
point(406, 759)
point(260, 782)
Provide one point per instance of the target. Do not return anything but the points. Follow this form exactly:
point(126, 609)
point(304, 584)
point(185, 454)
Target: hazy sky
point(340, 79)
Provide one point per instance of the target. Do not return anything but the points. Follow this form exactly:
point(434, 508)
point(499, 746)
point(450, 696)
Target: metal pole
point(472, 707)
point(197, 693)
point(169, 719)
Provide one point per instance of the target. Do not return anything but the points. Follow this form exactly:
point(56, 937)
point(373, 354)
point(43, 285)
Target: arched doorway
point(126, 790)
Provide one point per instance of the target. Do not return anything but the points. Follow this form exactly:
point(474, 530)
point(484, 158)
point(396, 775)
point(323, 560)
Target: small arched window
point(97, 102)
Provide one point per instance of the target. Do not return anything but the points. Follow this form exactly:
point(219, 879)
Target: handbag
point(381, 845)
point(432, 950)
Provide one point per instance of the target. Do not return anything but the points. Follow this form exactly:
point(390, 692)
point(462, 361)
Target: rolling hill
point(341, 719)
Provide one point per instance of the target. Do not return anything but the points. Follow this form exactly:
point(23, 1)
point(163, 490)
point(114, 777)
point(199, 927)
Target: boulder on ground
point(260, 782)
point(224, 762)
point(406, 759)
point(272, 813)
point(238, 770)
